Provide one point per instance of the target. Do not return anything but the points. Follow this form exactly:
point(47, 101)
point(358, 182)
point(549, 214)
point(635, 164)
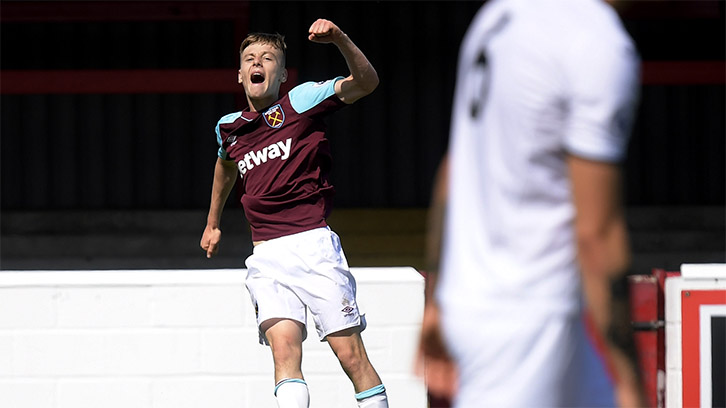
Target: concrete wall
point(182, 338)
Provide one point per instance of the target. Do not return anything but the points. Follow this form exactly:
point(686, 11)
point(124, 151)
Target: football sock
point(373, 398)
point(292, 393)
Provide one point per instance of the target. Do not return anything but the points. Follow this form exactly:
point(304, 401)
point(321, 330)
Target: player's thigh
point(271, 298)
point(283, 330)
point(329, 289)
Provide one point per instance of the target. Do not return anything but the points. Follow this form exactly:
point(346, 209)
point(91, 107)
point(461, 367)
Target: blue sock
point(373, 398)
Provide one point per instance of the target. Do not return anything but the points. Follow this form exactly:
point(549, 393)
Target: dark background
point(157, 150)
point(111, 106)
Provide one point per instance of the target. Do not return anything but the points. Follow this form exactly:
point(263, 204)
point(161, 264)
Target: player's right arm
point(433, 363)
point(225, 175)
point(604, 257)
point(601, 116)
point(363, 78)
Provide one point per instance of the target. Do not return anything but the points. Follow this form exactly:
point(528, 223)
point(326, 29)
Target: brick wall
point(181, 338)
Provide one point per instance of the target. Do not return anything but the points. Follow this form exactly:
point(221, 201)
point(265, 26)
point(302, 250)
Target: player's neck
point(257, 105)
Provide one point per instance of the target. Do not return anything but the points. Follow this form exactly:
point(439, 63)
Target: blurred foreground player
point(279, 149)
point(533, 221)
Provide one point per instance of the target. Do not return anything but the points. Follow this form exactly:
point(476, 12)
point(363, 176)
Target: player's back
point(525, 68)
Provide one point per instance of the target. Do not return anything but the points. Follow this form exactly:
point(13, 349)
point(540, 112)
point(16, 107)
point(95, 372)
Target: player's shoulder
point(229, 118)
point(600, 37)
point(309, 94)
point(596, 22)
point(219, 129)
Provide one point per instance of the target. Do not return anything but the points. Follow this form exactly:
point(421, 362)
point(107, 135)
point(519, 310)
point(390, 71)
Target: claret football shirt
point(283, 159)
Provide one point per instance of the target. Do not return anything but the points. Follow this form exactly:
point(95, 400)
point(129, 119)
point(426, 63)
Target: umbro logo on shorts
point(347, 310)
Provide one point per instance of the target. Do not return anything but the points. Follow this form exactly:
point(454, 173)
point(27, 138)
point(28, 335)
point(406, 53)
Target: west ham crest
point(274, 116)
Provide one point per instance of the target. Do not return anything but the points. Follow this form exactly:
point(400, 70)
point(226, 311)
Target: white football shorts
point(534, 359)
point(308, 270)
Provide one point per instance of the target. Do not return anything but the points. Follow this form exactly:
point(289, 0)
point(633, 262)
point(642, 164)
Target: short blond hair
point(275, 40)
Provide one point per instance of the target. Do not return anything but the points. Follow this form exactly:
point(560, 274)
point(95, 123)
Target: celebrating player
point(279, 149)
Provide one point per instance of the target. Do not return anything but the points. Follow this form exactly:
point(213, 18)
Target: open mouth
point(257, 78)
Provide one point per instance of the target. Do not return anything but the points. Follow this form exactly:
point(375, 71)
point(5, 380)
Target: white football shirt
point(536, 80)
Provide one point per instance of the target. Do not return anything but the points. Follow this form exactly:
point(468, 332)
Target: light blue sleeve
point(306, 96)
point(225, 119)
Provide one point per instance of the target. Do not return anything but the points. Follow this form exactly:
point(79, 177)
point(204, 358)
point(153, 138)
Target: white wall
point(182, 338)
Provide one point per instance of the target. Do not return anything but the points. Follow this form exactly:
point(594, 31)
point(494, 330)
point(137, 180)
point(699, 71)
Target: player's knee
point(284, 350)
point(352, 360)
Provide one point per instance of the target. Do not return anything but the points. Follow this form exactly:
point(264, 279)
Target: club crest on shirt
point(274, 116)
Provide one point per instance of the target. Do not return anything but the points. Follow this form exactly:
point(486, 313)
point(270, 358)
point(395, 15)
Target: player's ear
point(239, 76)
point(283, 78)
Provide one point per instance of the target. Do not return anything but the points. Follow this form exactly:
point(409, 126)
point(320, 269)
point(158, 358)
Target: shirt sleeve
point(309, 95)
point(604, 91)
point(221, 152)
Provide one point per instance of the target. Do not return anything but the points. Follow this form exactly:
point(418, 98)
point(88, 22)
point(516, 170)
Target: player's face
point(261, 73)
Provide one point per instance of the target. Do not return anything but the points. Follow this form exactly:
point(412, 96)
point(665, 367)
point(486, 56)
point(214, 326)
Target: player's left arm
point(363, 78)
